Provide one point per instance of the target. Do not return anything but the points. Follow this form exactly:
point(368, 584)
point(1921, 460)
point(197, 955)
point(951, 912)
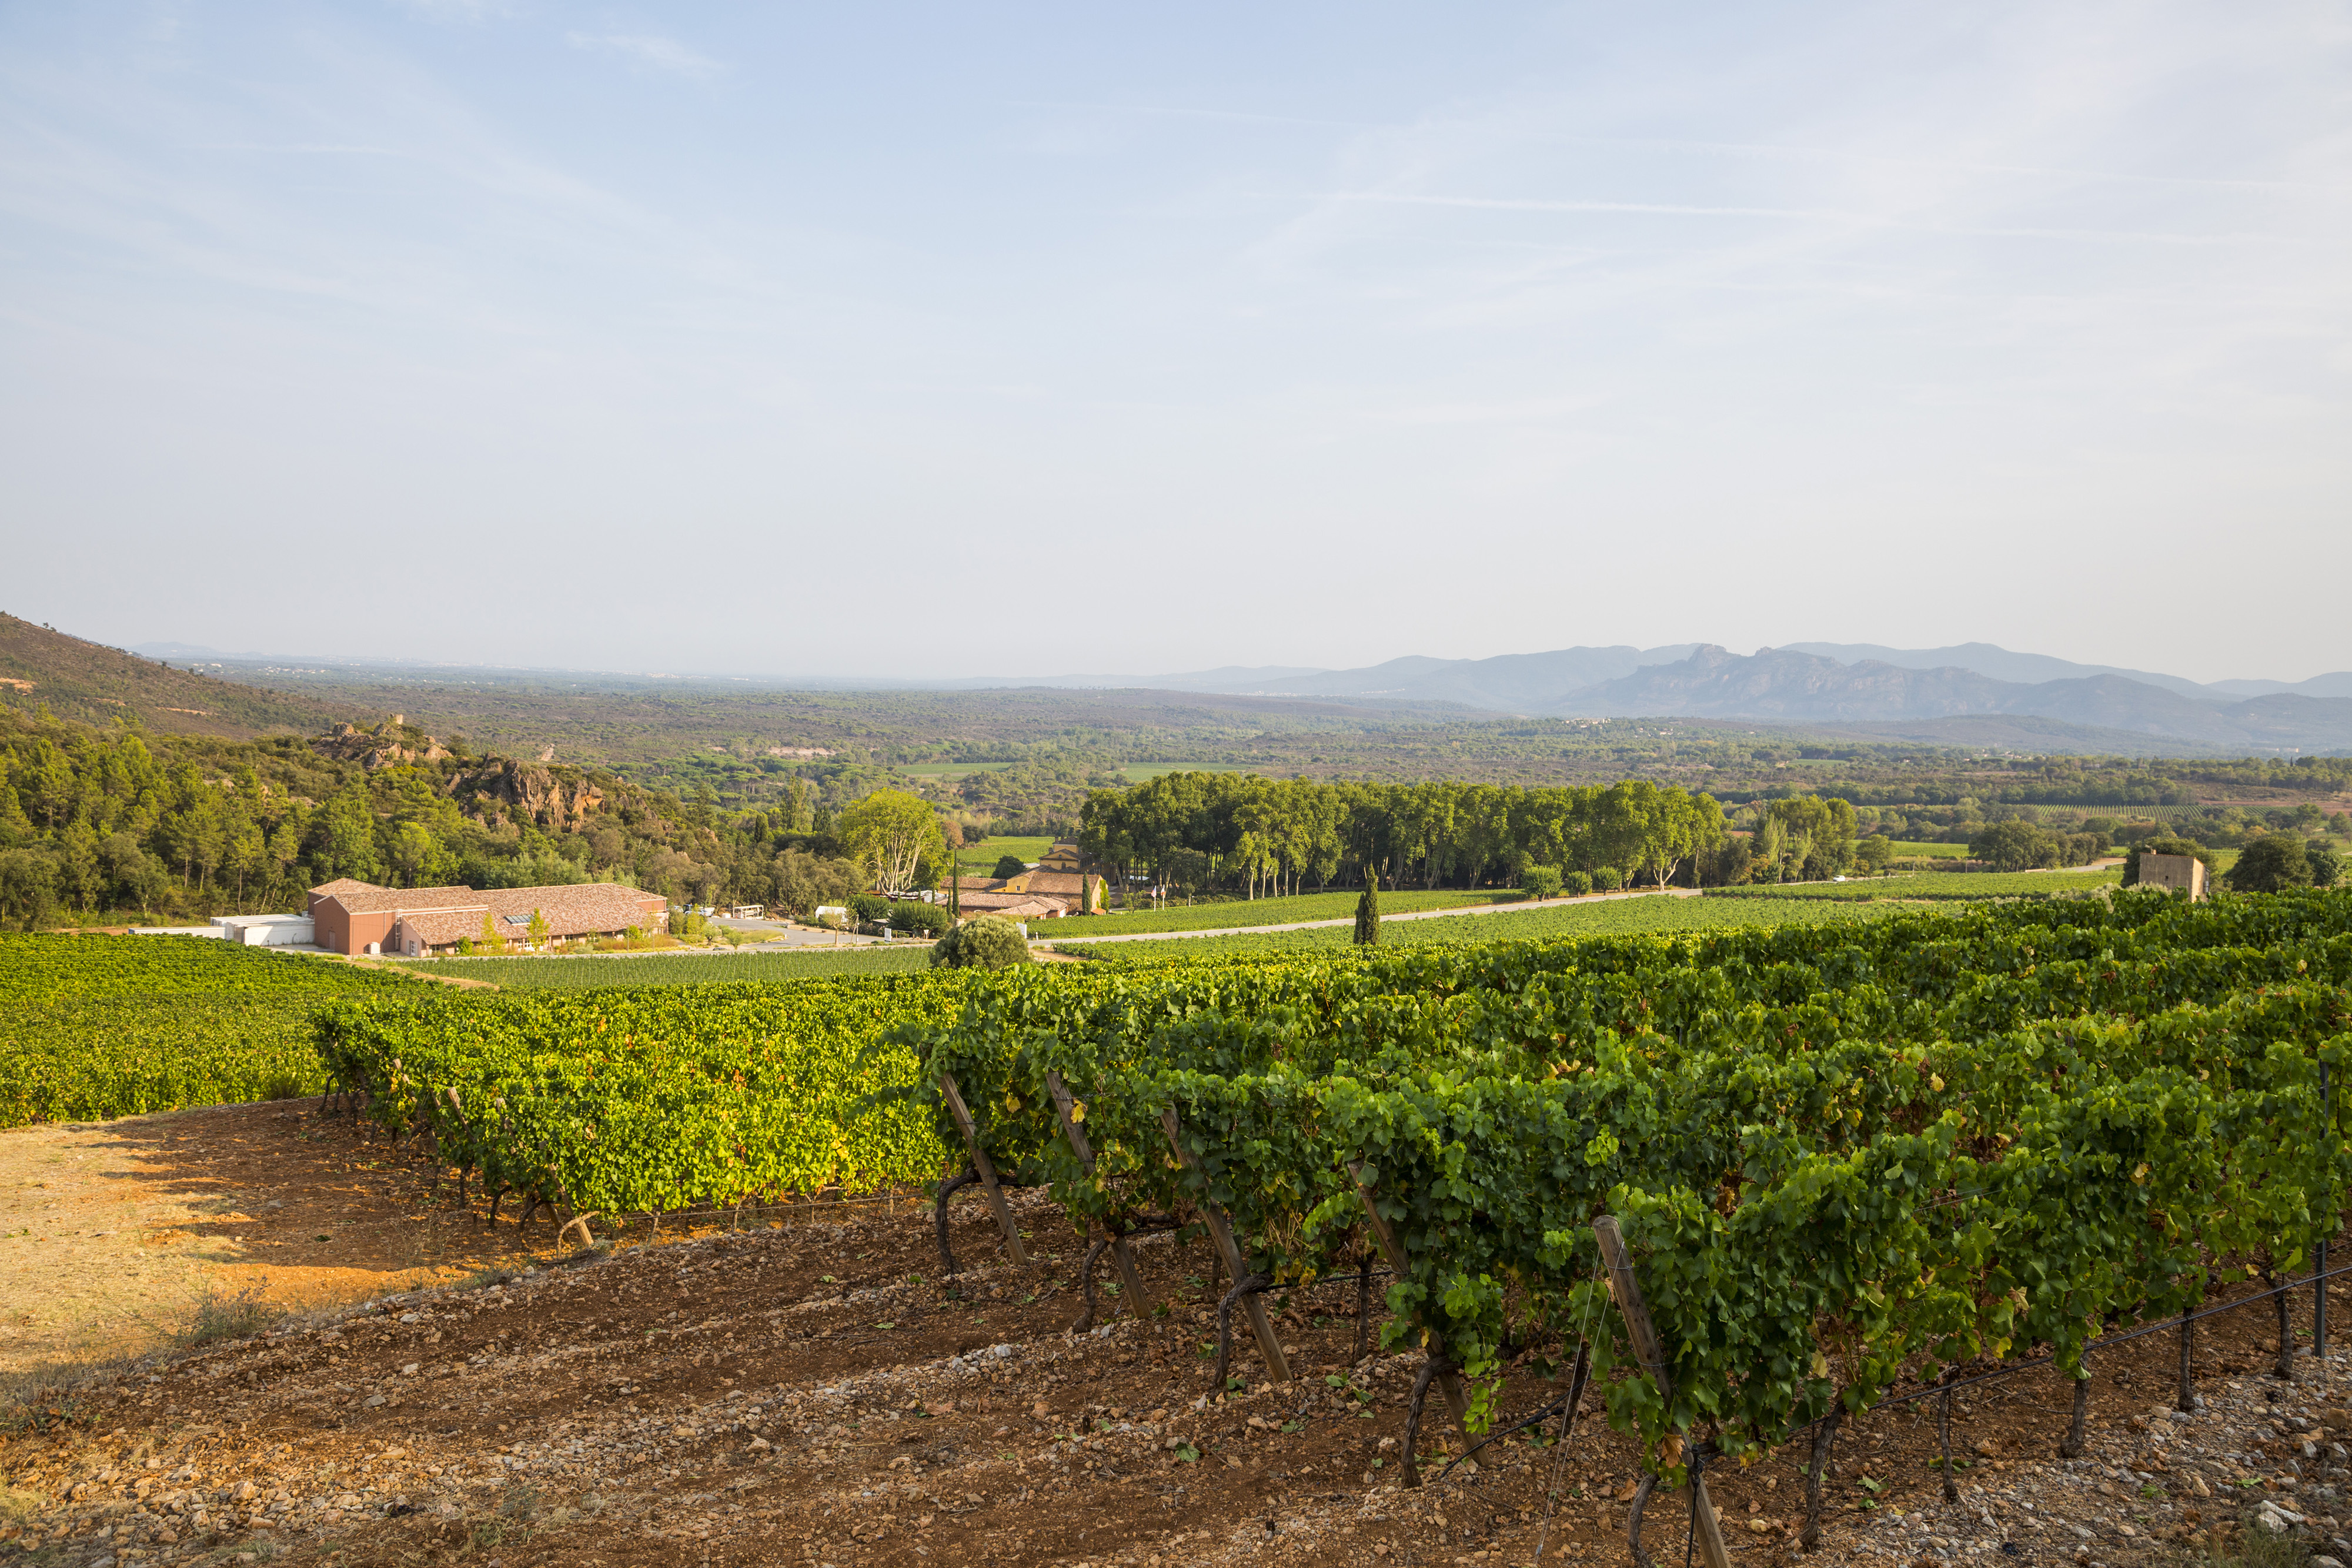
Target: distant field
point(1609, 918)
point(1141, 771)
point(983, 856)
point(951, 769)
point(1931, 884)
point(590, 971)
point(1915, 851)
point(1272, 912)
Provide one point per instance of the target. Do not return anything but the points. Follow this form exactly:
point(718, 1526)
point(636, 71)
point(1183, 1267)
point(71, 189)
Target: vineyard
point(1846, 1156)
point(93, 1027)
point(580, 972)
point(1957, 886)
point(653, 1099)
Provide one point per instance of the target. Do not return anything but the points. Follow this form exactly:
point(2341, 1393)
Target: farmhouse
point(1054, 886)
point(350, 916)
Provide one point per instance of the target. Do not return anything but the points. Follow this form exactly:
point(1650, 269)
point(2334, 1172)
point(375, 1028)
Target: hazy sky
point(958, 340)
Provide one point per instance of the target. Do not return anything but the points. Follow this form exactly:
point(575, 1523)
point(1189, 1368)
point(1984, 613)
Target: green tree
point(2015, 846)
point(984, 942)
point(1008, 867)
point(15, 828)
point(1820, 835)
point(535, 932)
point(2326, 862)
point(416, 854)
point(2271, 863)
point(1368, 911)
point(892, 834)
point(803, 880)
point(344, 838)
point(1873, 854)
point(27, 886)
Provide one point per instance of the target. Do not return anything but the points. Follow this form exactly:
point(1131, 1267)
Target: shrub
point(1575, 884)
point(1540, 881)
point(1605, 879)
point(2326, 862)
point(984, 942)
point(908, 916)
point(869, 908)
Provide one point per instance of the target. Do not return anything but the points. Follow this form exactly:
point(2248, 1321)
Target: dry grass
point(217, 1315)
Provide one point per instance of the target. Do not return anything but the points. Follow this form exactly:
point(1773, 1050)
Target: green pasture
point(1598, 917)
point(1274, 911)
point(982, 857)
point(1909, 849)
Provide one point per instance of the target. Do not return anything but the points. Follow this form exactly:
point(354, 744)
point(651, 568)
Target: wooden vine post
point(1222, 1232)
point(1139, 1299)
point(2319, 1274)
point(1448, 1381)
point(1626, 1291)
point(980, 1163)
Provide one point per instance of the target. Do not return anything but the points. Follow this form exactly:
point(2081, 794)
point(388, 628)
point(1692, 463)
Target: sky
point(946, 341)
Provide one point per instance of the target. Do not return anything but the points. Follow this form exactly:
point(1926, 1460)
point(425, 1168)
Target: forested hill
point(113, 824)
point(95, 684)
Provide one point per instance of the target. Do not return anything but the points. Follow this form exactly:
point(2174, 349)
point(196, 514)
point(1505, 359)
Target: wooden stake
point(1222, 1232)
point(1626, 1290)
point(980, 1162)
point(1449, 1382)
point(1139, 1299)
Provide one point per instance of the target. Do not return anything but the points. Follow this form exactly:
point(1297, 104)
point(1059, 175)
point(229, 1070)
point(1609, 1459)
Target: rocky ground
point(812, 1392)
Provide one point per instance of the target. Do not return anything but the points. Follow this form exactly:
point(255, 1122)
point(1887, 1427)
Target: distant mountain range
point(1972, 694)
point(1916, 692)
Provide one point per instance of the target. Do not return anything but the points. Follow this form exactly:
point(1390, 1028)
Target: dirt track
point(810, 1391)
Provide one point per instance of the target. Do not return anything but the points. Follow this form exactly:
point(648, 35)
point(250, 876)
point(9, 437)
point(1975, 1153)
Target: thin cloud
point(647, 49)
point(1667, 209)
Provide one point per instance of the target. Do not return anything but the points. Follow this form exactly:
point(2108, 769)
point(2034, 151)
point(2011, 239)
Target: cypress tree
point(1368, 911)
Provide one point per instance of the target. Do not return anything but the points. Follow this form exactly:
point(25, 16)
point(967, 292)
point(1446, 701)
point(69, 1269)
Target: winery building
point(352, 916)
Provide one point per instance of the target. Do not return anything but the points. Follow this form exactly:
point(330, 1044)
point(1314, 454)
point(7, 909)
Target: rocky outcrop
point(383, 746)
point(554, 801)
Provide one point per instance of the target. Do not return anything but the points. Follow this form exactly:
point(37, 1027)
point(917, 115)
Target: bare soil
point(808, 1389)
point(110, 1232)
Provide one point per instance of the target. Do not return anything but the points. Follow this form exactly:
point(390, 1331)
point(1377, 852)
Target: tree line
point(1261, 837)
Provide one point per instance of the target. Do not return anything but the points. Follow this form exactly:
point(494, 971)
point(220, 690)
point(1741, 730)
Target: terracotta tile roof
point(1063, 884)
point(343, 884)
point(1014, 906)
point(596, 909)
point(592, 906)
point(979, 884)
point(382, 899)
